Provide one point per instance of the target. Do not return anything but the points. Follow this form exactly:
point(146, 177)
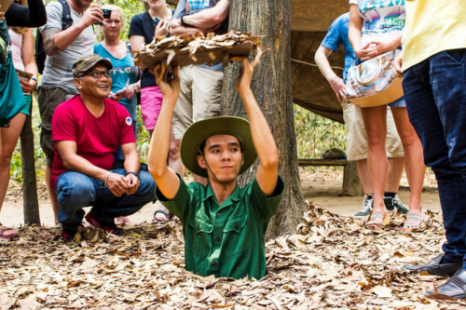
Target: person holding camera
point(63, 47)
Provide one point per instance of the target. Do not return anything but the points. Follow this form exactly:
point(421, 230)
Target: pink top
point(17, 49)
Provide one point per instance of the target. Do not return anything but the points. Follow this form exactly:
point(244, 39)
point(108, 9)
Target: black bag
point(66, 23)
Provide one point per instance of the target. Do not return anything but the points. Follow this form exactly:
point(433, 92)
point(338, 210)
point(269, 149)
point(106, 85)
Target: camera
point(107, 13)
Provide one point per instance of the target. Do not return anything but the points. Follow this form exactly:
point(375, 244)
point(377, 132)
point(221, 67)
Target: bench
point(351, 183)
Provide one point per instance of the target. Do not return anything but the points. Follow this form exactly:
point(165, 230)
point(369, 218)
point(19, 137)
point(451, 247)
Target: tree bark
point(272, 87)
point(28, 169)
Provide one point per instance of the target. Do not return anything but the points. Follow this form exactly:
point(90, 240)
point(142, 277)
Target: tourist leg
point(75, 191)
point(375, 123)
point(107, 207)
point(436, 103)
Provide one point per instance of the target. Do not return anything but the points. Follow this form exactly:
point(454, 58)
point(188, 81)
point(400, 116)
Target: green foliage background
point(314, 134)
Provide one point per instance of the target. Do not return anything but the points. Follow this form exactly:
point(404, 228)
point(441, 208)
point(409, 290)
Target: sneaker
point(392, 203)
point(69, 233)
point(109, 226)
point(367, 206)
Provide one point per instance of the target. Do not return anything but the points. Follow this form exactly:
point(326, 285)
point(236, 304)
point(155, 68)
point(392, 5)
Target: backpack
point(66, 23)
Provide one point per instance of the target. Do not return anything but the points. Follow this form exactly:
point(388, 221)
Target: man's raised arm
point(205, 21)
point(167, 181)
point(267, 173)
point(56, 40)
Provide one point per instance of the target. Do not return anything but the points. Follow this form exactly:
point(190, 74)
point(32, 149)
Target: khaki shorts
point(200, 97)
point(356, 138)
point(49, 99)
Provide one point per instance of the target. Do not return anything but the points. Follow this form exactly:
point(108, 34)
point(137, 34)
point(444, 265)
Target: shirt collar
point(235, 195)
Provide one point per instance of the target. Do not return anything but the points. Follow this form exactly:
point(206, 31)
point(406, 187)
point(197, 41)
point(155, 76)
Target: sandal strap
point(415, 217)
point(161, 211)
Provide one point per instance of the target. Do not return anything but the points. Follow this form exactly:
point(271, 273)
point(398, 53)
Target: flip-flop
point(159, 220)
point(378, 219)
point(175, 218)
point(415, 221)
point(8, 233)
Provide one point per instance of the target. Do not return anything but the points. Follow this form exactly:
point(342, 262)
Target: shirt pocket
point(201, 236)
point(235, 235)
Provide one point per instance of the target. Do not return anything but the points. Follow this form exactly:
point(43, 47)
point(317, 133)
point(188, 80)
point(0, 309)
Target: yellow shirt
point(432, 26)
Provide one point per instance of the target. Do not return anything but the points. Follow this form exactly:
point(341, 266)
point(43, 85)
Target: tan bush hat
point(85, 63)
point(198, 132)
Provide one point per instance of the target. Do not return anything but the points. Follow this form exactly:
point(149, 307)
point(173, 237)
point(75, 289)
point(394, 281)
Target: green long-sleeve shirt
point(226, 240)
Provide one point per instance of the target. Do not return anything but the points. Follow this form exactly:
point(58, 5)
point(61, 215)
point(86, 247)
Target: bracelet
point(106, 177)
point(183, 23)
point(134, 173)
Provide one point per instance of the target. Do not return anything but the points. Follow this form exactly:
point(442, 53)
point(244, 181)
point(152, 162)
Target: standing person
point(434, 69)
point(87, 130)
point(356, 136)
point(124, 74)
point(143, 28)
point(201, 86)
point(375, 28)
point(224, 225)
point(20, 57)
point(63, 48)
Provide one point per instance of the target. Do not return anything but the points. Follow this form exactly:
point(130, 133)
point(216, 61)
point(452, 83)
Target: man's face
point(156, 4)
point(224, 157)
point(112, 25)
point(83, 3)
point(90, 85)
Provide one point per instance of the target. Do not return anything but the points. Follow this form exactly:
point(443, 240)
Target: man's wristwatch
point(134, 173)
point(183, 23)
point(35, 80)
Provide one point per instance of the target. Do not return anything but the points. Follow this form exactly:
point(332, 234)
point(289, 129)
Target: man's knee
point(146, 186)
point(75, 190)
point(375, 139)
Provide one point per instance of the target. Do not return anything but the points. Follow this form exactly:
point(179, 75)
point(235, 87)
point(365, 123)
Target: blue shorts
point(400, 103)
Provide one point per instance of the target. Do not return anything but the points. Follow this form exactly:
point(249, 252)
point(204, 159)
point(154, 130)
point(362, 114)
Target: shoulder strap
point(66, 20)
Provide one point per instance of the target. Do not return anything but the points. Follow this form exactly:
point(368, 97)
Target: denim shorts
point(400, 103)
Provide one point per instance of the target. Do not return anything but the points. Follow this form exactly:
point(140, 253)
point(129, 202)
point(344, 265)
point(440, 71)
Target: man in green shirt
point(223, 224)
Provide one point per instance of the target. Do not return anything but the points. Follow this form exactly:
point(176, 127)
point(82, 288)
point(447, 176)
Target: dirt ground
point(323, 188)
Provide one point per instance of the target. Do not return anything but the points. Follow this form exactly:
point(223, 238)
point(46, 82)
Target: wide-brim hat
point(198, 132)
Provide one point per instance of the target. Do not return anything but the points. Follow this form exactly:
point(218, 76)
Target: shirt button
point(219, 214)
point(214, 263)
point(218, 238)
point(236, 226)
point(198, 226)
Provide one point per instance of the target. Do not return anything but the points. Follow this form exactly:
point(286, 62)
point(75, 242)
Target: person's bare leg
point(395, 172)
point(414, 158)
point(8, 139)
point(363, 171)
point(375, 122)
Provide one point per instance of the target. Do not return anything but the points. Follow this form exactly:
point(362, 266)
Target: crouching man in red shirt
point(87, 130)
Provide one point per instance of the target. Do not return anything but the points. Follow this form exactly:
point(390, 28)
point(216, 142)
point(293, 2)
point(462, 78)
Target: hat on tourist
point(86, 63)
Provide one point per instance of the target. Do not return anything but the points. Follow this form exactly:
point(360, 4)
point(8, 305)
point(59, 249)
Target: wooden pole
point(30, 202)
point(272, 88)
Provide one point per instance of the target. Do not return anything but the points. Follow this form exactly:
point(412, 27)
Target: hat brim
point(221, 125)
point(106, 62)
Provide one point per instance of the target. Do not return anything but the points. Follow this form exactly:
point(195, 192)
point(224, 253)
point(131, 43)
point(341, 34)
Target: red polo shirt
point(97, 138)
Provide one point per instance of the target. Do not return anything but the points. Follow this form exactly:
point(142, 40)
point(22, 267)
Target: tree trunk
point(272, 87)
point(28, 169)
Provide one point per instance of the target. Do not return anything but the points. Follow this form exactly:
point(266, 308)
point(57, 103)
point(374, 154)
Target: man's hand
point(92, 15)
point(168, 88)
point(162, 28)
point(398, 64)
point(133, 184)
point(338, 87)
point(243, 81)
point(117, 185)
point(27, 86)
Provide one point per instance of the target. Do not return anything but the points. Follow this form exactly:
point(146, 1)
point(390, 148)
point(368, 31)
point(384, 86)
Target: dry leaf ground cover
point(331, 263)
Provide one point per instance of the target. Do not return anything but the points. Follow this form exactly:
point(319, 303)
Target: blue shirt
point(123, 70)
point(337, 35)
